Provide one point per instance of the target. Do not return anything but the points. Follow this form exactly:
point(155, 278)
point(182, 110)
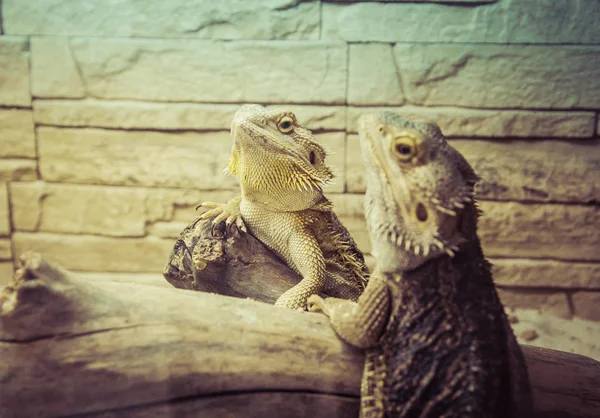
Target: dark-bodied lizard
point(439, 343)
point(282, 172)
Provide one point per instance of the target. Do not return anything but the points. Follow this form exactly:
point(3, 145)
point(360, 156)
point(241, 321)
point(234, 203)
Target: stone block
point(18, 170)
point(105, 210)
point(500, 76)
point(335, 143)
point(205, 71)
point(96, 253)
point(373, 75)
point(17, 135)
point(118, 211)
point(5, 249)
point(54, 72)
point(226, 19)
point(562, 232)
point(546, 302)
point(462, 122)
point(14, 71)
point(6, 272)
point(133, 115)
point(546, 274)
point(545, 171)
point(135, 158)
point(587, 305)
point(356, 181)
point(4, 211)
point(168, 116)
point(550, 21)
point(507, 21)
point(404, 22)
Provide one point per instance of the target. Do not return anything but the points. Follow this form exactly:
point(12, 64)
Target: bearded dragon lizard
point(282, 170)
point(438, 341)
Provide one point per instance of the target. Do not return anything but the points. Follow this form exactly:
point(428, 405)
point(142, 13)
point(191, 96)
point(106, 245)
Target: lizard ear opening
point(312, 157)
point(421, 212)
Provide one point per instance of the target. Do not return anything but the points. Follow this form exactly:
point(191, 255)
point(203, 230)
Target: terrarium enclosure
point(114, 121)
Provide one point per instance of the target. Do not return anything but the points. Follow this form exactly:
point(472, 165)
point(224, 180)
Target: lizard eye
point(285, 124)
point(404, 147)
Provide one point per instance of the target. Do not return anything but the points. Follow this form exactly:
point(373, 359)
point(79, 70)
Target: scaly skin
point(282, 171)
point(438, 341)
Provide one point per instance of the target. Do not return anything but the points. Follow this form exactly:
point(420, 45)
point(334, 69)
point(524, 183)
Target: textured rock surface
point(102, 210)
point(540, 230)
point(535, 170)
point(96, 156)
point(14, 71)
point(205, 71)
point(462, 122)
point(499, 76)
point(168, 116)
point(6, 271)
point(545, 302)
point(379, 22)
point(17, 133)
point(373, 75)
point(521, 170)
point(18, 170)
point(5, 249)
point(96, 253)
point(54, 73)
point(587, 305)
point(546, 274)
point(226, 19)
point(4, 211)
point(512, 21)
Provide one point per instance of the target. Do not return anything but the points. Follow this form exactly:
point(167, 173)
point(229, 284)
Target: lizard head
point(278, 161)
point(418, 188)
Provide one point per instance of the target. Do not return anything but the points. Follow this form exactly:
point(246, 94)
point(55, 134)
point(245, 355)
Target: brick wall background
point(114, 121)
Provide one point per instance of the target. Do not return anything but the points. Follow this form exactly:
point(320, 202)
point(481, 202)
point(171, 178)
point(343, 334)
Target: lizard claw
point(316, 303)
point(224, 212)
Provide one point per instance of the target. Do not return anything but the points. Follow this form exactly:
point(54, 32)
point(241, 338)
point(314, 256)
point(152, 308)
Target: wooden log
point(71, 347)
point(227, 262)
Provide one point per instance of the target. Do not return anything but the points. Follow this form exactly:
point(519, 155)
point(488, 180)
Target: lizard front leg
point(358, 323)
point(306, 255)
point(361, 325)
point(228, 212)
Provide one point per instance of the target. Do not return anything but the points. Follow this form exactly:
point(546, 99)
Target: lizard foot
point(228, 212)
point(316, 303)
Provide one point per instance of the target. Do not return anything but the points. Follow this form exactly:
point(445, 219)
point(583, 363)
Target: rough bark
point(227, 262)
point(71, 347)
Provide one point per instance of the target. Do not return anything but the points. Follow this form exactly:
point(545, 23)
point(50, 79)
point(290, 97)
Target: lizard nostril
point(421, 212)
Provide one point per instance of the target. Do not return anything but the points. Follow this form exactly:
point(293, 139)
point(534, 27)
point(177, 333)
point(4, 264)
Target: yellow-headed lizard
point(438, 341)
point(282, 171)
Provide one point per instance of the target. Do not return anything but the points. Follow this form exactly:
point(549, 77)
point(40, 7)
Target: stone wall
point(114, 118)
